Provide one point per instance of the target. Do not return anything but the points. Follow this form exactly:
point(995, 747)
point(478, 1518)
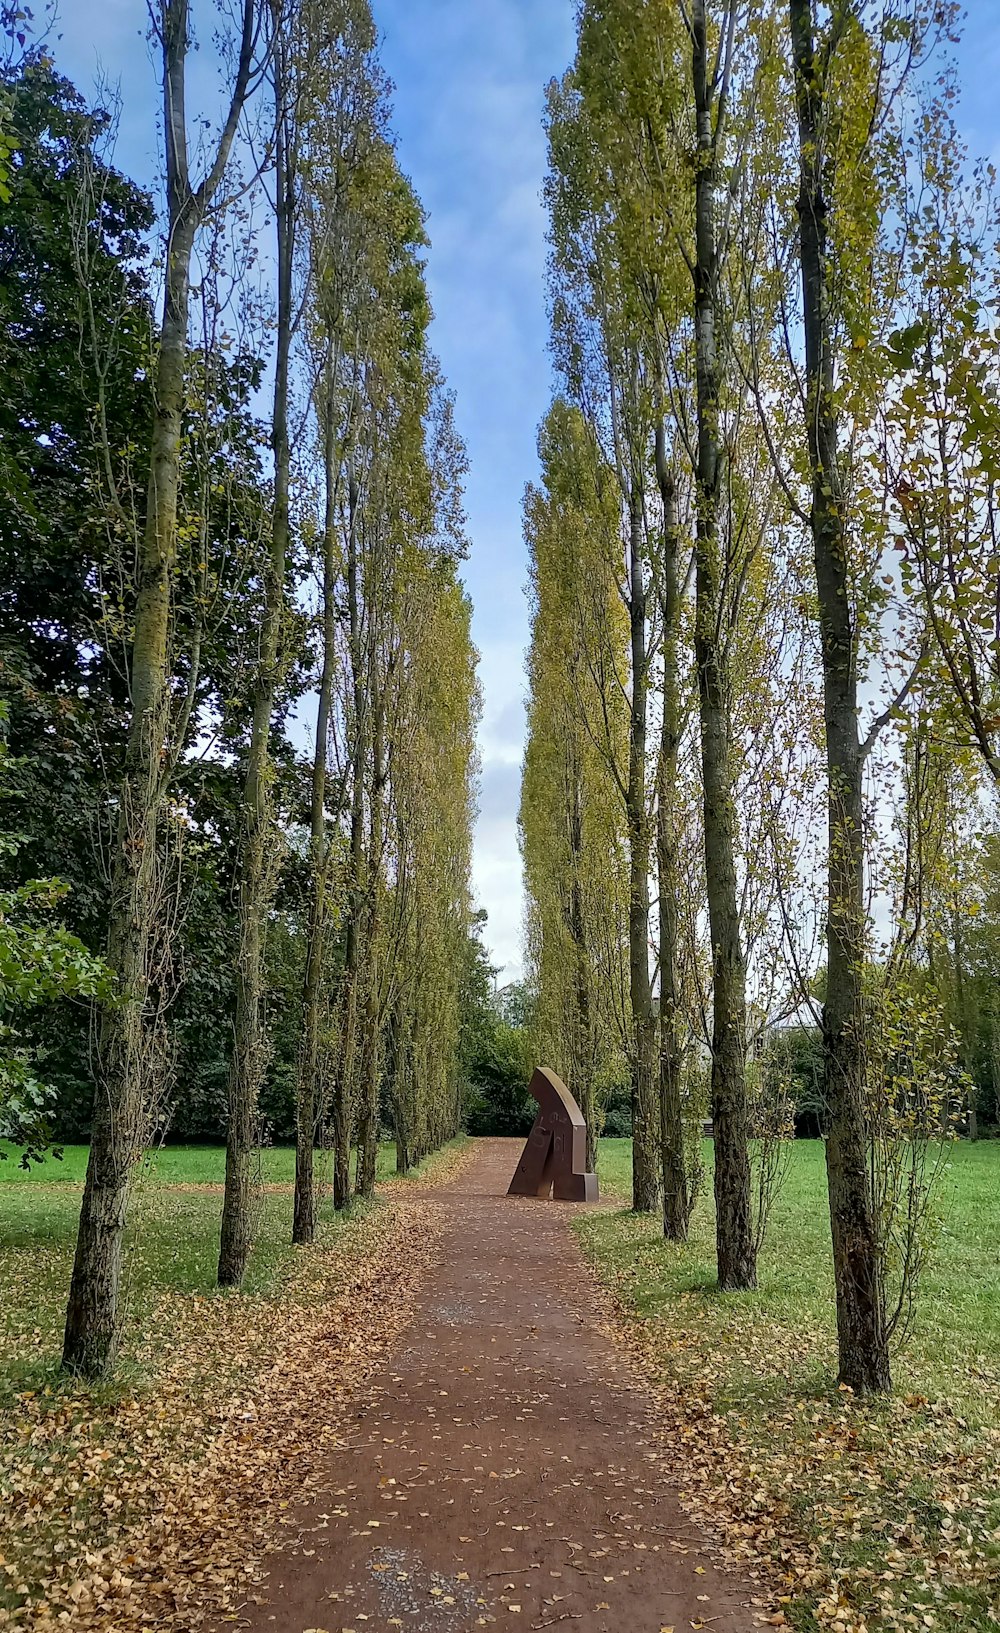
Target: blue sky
point(469, 77)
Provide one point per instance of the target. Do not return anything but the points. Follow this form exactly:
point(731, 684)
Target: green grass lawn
point(82, 1465)
point(172, 1245)
point(170, 1165)
point(956, 1329)
point(868, 1518)
point(852, 1484)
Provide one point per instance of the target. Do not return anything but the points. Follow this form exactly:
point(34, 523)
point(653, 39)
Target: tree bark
point(645, 1121)
point(343, 1107)
point(582, 1052)
point(371, 1053)
point(124, 1092)
point(857, 1251)
point(676, 1199)
point(121, 1106)
point(396, 1051)
point(343, 1110)
point(735, 1243)
point(402, 1017)
point(255, 867)
point(309, 1088)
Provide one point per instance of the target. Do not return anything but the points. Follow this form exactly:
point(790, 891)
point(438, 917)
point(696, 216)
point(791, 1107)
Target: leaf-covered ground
point(867, 1518)
point(149, 1501)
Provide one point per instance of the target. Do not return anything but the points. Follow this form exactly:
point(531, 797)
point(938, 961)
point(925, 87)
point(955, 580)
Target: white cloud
point(468, 114)
point(469, 91)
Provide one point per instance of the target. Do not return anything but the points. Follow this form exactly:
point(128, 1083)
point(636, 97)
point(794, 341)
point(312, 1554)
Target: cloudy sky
point(469, 77)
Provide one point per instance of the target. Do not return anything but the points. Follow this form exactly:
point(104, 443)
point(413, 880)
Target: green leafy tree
point(41, 962)
point(571, 814)
point(154, 740)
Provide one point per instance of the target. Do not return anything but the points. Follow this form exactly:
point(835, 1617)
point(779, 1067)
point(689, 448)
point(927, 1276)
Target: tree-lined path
point(503, 1468)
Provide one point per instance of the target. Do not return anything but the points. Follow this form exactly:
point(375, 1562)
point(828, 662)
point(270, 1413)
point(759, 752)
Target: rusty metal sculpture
point(554, 1159)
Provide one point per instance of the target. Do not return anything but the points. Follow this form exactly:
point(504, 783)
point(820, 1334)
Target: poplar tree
point(631, 74)
point(570, 818)
point(256, 865)
point(600, 349)
point(346, 114)
point(432, 797)
point(122, 1099)
point(712, 68)
point(386, 473)
point(853, 64)
point(650, 268)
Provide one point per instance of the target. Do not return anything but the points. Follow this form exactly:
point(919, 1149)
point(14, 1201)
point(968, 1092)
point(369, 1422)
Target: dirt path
point(501, 1473)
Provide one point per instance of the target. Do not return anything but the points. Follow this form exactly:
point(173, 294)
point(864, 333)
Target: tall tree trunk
point(368, 1128)
point(857, 1251)
point(676, 1200)
point(343, 1105)
point(122, 1105)
point(402, 1018)
point(255, 861)
point(582, 1052)
point(396, 1048)
point(309, 1098)
point(645, 1121)
point(735, 1241)
point(371, 1053)
point(122, 1101)
point(343, 1111)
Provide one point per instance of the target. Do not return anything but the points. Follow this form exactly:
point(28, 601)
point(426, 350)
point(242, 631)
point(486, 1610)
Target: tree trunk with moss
point(676, 1199)
point(124, 1097)
point(736, 1249)
point(255, 863)
point(857, 1252)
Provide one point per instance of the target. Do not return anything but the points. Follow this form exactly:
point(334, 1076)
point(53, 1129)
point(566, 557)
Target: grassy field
point(876, 1516)
point(173, 1245)
point(864, 1518)
point(84, 1469)
point(170, 1165)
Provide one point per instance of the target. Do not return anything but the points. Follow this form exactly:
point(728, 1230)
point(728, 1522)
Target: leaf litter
point(155, 1507)
point(853, 1517)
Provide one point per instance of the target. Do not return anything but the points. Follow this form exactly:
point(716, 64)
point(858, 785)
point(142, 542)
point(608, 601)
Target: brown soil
point(503, 1470)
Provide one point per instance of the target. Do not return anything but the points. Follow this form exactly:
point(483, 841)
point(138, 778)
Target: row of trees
point(195, 585)
point(765, 633)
